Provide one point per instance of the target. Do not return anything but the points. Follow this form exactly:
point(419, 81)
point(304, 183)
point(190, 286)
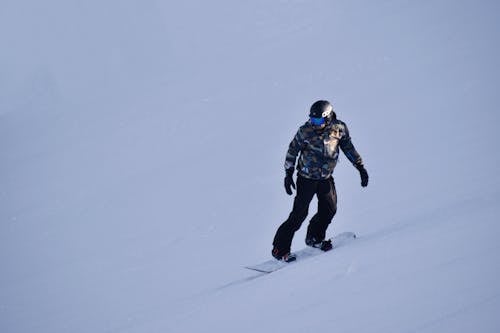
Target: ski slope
point(142, 147)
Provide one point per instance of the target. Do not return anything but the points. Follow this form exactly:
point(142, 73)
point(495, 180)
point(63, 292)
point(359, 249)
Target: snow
point(142, 146)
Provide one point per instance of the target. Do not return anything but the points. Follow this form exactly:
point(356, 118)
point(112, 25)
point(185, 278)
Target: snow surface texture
point(142, 146)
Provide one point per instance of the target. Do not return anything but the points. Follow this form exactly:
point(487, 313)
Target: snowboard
point(308, 252)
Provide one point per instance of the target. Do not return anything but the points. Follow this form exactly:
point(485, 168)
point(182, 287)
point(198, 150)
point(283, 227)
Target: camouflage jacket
point(318, 150)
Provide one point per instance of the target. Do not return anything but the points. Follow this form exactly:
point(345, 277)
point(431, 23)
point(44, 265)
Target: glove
point(289, 181)
point(364, 175)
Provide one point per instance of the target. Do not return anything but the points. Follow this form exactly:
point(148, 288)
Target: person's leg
point(306, 189)
point(327, 207)
point(311, 230)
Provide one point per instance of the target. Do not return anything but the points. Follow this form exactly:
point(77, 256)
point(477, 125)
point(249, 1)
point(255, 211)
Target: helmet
point(322, 109)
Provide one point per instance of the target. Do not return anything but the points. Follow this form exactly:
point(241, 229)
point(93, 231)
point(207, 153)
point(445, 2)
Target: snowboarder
point(317, 145)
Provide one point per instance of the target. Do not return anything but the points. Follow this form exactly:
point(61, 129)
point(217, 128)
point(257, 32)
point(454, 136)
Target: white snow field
point(141, 165)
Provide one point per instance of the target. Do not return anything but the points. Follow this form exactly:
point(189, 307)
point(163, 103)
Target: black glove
point(364, 175)
point(289, 181)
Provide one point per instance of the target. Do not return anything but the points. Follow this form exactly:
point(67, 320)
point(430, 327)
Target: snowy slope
point(142, 147)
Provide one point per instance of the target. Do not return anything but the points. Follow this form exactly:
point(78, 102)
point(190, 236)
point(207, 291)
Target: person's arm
point(293, 150)
point(291, 156)
point(352, 154)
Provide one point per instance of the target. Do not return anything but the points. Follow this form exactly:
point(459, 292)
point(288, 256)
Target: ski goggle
point(317, 121)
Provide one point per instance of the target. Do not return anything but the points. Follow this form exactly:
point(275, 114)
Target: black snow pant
point(327, 207)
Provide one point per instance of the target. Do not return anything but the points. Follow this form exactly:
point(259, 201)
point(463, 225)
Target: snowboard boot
point(323, 245)
point(326, 245)
point(285, 256)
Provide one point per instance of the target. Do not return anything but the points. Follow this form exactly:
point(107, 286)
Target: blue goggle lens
point(317, 121)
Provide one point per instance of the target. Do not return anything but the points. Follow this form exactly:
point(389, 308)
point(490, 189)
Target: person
point(316, 144)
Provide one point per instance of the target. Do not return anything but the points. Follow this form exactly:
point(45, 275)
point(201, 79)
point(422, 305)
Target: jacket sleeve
point(349, 150)
point(293, 150)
